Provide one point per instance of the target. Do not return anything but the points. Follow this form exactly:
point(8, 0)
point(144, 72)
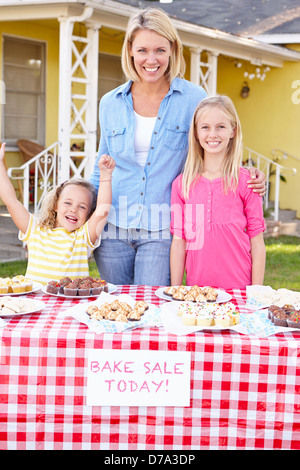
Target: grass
point(282, 266)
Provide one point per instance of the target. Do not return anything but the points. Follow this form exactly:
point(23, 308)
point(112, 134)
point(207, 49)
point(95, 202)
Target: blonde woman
point(217, 221)
point(61, 239)
point(144, 126)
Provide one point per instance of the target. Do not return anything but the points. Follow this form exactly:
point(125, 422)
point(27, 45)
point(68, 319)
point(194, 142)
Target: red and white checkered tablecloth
point(245, 390)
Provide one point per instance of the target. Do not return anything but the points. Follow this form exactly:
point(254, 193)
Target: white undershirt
point(143, 132)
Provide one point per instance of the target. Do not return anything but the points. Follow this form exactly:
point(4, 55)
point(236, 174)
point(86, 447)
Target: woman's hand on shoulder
point(257, 181)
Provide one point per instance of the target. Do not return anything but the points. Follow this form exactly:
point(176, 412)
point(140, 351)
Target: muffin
point(62, 283)
point(18, 287)
point(96, 287)
point(294, 319)
point(280, 318)
point(104, 285)
point(71, 289)
point(84, 288)
point(271, 309)
point(3, 288)
point(52, 287)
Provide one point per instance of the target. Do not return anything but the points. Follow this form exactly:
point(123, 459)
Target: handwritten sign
point(138, 378)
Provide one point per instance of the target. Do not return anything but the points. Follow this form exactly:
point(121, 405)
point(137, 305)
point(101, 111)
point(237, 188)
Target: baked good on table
point(286, 316)
point(82, 287)
point(293, 320)
point(14, 305)
point(15, 285)
point(192, 294)
point(117, 311)
point(209, 314)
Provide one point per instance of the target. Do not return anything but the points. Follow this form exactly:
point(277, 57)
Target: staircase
point(287, 224)
point(11, 248)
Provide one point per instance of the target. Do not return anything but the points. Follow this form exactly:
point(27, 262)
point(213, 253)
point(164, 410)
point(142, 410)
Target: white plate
point(222, 296)
point(111, 288)
point(36, 287)
point(36, 304)
point(173, 322)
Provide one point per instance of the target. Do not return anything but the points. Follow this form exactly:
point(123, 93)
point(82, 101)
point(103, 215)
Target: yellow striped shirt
point(56, 253)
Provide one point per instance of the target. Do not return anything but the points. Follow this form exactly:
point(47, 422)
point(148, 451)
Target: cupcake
point(28, 284)
point(62, 283)
point(271, 309)
point(96, 287)
point(71, 289)
point(52, 287)
point(3, 288)
point(18, 287)
point(276, 311)
point(84, 288)
point(104, 285)
point(280, 318)
point(293, 320)
point(204, 319)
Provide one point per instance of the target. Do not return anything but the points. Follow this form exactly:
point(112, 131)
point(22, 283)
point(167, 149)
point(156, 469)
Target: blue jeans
point(134, 256)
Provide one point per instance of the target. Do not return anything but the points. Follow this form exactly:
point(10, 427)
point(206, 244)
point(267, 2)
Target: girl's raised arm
point(98, 219)
point(18, 213)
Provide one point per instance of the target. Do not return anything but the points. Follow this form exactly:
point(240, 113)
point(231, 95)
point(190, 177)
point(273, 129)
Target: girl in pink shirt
point(216, 220)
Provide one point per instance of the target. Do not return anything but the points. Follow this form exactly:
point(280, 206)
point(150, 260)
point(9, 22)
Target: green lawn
point(282, 267)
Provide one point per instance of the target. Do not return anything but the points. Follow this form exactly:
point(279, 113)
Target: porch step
point(11, 248)
point(288, 224)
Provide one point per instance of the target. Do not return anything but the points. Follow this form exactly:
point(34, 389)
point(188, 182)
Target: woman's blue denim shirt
point(141, 196)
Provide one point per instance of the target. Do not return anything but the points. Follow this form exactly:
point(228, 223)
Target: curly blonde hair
point(47, 214)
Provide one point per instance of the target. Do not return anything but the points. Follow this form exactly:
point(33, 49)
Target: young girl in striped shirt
point(68, 228)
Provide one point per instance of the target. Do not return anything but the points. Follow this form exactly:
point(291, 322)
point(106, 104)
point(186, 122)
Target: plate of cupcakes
point(83, 288)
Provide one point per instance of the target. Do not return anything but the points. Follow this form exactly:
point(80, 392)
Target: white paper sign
point(138, 378)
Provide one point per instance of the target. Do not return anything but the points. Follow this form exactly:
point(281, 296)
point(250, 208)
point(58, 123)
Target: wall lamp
point(245, 90)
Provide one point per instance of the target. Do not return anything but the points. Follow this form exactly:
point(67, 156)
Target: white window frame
point(41, 116)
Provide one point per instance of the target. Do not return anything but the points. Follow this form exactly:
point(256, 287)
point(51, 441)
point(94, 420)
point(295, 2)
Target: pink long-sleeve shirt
point(217, 228)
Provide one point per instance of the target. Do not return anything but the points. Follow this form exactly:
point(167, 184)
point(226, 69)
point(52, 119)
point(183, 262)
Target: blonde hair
point(47, 214)
point(157, 21)
point(195, 159)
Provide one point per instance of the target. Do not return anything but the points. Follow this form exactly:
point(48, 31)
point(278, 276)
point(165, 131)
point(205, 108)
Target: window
point(110, 76)
point(24, 78)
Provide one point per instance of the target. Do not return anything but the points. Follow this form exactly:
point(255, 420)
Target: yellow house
point(59, 57)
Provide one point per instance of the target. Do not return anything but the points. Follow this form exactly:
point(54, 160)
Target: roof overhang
point(115, 15)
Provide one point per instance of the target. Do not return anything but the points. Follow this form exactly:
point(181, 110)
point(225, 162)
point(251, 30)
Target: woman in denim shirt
point(144, 126)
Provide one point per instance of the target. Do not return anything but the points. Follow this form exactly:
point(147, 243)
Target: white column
point(213, 72)
point(65, 60)
point(92, 97)
point(195, 66)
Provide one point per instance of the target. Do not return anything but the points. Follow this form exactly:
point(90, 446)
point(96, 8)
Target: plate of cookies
point(11, 306)
point(110, 313)
point(193, 294)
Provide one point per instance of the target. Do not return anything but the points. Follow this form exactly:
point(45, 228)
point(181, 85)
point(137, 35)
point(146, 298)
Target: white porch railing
point(45, 165)
point(270, 168)
point(283, 154)
point(37, 176)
